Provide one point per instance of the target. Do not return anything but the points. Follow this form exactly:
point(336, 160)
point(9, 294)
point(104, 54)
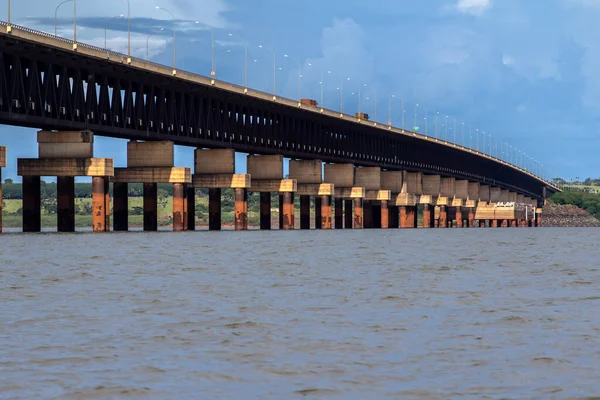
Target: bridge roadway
point(112, 95)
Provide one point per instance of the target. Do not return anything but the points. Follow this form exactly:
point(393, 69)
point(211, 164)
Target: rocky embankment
point(565, 216)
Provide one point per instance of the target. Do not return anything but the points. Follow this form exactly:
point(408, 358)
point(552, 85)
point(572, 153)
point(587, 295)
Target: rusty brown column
point(31, 204)
point(348, 217)
point(405, 218)
point(459, 217)
point(367, 214)
point(443, 217)
point(0, 200)
point(288, 211)
point(538, 220)
point(179, 198)
point(326, 212)
point(339, 213)
point(241, 209)
point(280, 211)
point(120, 207)
point(318, 212)
point(385, 215)
point(411, 215)
point(214, 209)
point(191, 208)
point(150, 207)
point(304, 212)
point(65, 203)
point(494, 223)
point(427, 216)
point(358, 213)
point(100, 204)
point(265, 211)
point(471, 218)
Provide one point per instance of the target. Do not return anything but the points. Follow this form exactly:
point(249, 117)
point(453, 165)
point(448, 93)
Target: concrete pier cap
point(368, 177)
point(267, 167)
point(341, 175)
point(65, 144)
point(214, 161)
point(392, 181)
point(2, 156)
point(150, 154)
point(306, 171)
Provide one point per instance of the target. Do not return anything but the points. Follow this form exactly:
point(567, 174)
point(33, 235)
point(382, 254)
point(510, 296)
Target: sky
point(522, 71)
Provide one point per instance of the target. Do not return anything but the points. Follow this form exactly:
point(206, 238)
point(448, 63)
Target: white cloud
point(508, 60)
point(473, 7)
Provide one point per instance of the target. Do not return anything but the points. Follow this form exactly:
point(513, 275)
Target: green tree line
point(588, 201)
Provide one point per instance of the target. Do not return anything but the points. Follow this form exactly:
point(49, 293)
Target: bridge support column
point(100, 204)
point(241, 209)
point(514, 223)
point(304, 212)
point(443, 217)
point(471, 218)
point(65, 202)
point(326, 212)
point(384, 215)
point(2, 164)
point(318, 212)
point(265, 211)
point(459, 217)
point(494, 223)
point(482, 223)
point(358, 214)
point(31, 204)
point(538, 218)
point(150, 207)
point(214, 209)
point(120, 207)
point(288, 211)
point(191, 208)
point(428, 216)
point(348, 214)
point(339, 213)
point(179, 212)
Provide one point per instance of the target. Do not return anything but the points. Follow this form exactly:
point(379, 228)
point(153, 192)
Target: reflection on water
point(506, 313)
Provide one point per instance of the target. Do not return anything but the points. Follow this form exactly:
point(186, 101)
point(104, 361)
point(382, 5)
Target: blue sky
point(523, 71)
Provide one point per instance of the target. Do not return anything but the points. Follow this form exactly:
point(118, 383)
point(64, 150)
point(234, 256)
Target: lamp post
point(128, 32)
point(446, 129)
point(56, 15)
point(147, 46)
point(106, 29)
point(477, 139)
point(74, 24)
point(213, 70)
point(454, 130)
point(245, 77)
point(321, 83)
point(341, 88)
point(403, 112)
point(274, 70)
point(470, 137)
point(426, 122)
point(463, 135)
point(299, 72)
point(437, 114)
point(174, 38)
point(390, 110)
point(415, 116)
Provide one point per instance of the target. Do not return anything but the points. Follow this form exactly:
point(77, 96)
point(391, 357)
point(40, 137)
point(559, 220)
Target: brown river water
point(399, 314)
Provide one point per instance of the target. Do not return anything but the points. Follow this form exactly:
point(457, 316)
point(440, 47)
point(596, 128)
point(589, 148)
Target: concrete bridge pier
point(2, 165)
point(431, 197)
point(214, 169)
point(308, 175)
point(267, 177)
point(151, 163)
point(339, 213)
point(376, 213)
point(341, 176)
point(409, 187)
point(65, 154)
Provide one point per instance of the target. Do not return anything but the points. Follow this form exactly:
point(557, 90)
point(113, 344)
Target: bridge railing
point(202, 79)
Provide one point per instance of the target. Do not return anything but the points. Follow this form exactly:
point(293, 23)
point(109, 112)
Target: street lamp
point(245, 78)
point(106, 29)
point(390, 110)
point(463, 135)
point(56, 15)
point(299, 72)
point(403, 112)
point(322, 83)
point(274, 71)
point(174, 39)
point(446, 129)
point(415, 116)
point(477, 139)
point(437, 114)
point(213, 70)
point(147, 46)
point(341, 89)
point(128, 33)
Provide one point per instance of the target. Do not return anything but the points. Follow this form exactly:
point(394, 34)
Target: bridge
point(73, 91)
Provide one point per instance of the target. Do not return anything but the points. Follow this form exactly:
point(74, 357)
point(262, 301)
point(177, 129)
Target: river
point(410, 314)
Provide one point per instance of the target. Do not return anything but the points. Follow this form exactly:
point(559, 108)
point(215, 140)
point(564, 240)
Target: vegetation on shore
point(590, 202)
